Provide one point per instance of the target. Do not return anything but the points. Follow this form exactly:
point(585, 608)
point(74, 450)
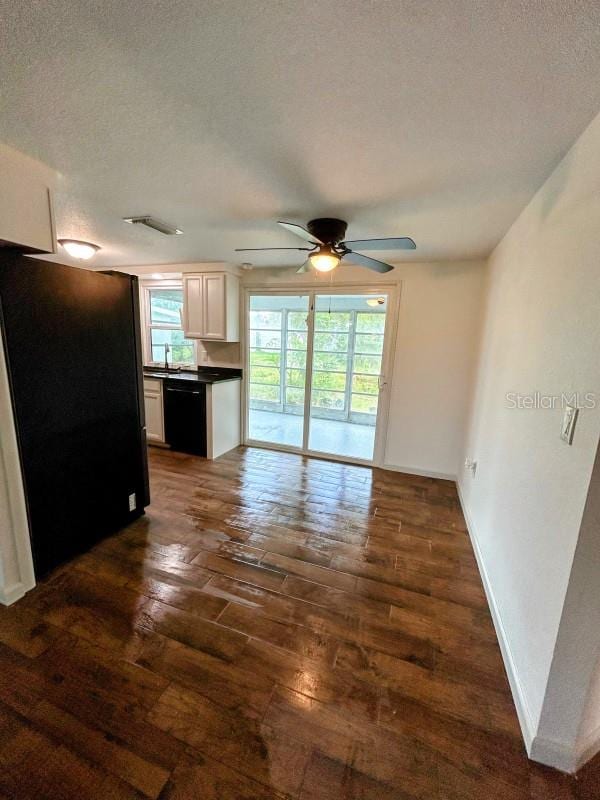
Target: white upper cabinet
point(26, 219)
point(211, 306)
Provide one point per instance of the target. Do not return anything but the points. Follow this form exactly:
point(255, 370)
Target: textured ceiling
point(436, 120)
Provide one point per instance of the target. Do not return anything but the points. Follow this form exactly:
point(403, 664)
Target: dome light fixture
point(78, 249)
point(325, 259)
point(375, 301)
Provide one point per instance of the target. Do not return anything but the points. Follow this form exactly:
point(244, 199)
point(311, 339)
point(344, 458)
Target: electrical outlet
point(471, 466)
point(132, 502)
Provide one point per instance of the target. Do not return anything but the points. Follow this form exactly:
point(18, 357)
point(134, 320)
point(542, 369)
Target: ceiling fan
point(329, 246)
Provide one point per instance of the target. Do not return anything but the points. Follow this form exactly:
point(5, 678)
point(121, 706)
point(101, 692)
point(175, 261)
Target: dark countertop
point(203, 375)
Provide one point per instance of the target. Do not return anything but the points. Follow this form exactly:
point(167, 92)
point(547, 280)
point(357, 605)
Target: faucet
point(167, 351)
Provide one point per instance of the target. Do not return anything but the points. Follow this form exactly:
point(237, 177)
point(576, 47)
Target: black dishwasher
point(185, 416)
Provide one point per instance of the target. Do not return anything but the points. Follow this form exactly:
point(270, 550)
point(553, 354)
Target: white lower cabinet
point(153, 403)
point(223, 417)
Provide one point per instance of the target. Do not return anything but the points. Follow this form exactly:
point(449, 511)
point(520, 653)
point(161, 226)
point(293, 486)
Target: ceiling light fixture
point(375, 301)
point(325, 259)
point(77, 249)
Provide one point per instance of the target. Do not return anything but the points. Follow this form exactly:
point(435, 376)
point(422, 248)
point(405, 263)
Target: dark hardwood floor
point(275, 627)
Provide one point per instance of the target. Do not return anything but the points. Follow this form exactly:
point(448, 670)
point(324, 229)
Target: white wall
point(435, 353)
point(438, 330)
point(567, 734)
point(6, 556)
point(541, 333)
point(16, 565)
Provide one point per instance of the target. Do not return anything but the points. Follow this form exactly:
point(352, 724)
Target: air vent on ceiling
point(155, 224)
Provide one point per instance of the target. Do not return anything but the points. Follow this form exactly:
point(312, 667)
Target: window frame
point(148, 326)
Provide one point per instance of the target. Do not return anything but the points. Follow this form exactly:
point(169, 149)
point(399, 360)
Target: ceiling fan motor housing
point(330, 231)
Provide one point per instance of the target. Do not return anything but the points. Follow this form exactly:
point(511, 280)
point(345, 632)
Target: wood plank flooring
point(274, 627)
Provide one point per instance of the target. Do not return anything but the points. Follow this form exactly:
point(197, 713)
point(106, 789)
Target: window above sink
point(163, 337)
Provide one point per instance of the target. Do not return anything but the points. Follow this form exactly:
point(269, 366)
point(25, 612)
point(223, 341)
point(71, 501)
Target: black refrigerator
point(72, 345)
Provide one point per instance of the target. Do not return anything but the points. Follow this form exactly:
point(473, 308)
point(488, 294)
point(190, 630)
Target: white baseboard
point(588, 747)
point(422, 473)
point(553, 754)
point(528, 727)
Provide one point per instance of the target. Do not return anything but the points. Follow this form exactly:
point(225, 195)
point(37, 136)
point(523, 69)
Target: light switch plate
point(132, 502)
point(568, 424)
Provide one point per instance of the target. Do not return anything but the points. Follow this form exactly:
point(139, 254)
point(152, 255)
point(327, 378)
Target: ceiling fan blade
point(300, 231)
point(370, 263)
point(255, 249)
point(401, 243)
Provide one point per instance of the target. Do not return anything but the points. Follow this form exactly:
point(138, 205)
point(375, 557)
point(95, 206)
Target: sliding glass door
point(315, 371)
point(346, 369)
point(277, 345)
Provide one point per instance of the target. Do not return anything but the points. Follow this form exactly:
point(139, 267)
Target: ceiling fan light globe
point(324, 262)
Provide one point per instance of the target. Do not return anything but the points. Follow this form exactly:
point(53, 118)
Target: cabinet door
point(26, 218)
point(193, 313)
point(153, 404)
point(214, 320)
